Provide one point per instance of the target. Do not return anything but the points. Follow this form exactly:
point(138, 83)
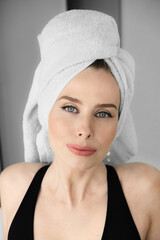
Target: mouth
point(81, 151)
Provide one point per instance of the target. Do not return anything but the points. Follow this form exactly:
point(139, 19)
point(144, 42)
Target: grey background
point(20, 23)
point(140, 21)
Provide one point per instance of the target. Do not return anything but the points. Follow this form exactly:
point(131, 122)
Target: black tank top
point(119, 222)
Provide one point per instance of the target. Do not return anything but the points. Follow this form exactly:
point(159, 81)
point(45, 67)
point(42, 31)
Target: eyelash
point(70, 106)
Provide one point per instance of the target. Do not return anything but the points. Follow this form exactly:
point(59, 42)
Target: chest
point(85, 222)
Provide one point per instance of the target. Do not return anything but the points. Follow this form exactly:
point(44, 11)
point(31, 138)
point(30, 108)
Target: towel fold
point(69, 43)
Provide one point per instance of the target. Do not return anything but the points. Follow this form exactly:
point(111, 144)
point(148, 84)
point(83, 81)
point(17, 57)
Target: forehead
point(96, 84)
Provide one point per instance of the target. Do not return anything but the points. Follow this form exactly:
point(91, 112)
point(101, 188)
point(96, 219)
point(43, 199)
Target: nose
point(84, 129)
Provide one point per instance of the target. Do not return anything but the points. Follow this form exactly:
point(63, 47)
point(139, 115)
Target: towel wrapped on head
point(69, 43)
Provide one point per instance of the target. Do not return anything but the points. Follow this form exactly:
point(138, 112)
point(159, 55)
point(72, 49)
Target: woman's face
point(85, 115)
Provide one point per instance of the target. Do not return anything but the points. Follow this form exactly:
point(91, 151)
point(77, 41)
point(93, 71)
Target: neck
point(72, 185)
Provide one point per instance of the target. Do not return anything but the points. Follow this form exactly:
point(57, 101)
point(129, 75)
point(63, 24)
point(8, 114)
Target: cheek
point(107, 133)
point(57, 130)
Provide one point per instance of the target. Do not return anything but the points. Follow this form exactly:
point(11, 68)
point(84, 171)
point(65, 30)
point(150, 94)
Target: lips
point(81, 151)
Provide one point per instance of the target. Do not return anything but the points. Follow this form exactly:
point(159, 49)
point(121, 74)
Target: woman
point(77, 107)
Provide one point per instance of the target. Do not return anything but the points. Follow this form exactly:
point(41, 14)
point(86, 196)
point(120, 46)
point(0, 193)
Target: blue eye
point(103, 115)
point(70, 109)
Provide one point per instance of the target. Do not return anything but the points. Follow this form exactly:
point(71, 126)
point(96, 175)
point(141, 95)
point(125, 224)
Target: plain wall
point(140, 27)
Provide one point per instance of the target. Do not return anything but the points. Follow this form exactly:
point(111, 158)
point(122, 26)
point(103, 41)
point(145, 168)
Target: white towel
point(69, 43)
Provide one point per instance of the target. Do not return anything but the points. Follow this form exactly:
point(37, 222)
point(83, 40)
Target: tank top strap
point(119, 222)
point(22, 224)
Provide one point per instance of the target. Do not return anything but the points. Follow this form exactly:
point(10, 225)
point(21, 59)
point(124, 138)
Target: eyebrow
point(75, 100)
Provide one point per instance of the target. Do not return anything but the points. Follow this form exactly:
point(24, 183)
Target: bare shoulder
point(21, 173)
point(16, 178)
point(14, 182)
point(143, 178)
point(141, 182)
point(139, 172)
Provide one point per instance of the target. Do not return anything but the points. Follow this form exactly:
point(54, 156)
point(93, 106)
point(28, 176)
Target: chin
point(78, 162)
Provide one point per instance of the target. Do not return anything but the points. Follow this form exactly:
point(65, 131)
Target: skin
point(68, 190)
